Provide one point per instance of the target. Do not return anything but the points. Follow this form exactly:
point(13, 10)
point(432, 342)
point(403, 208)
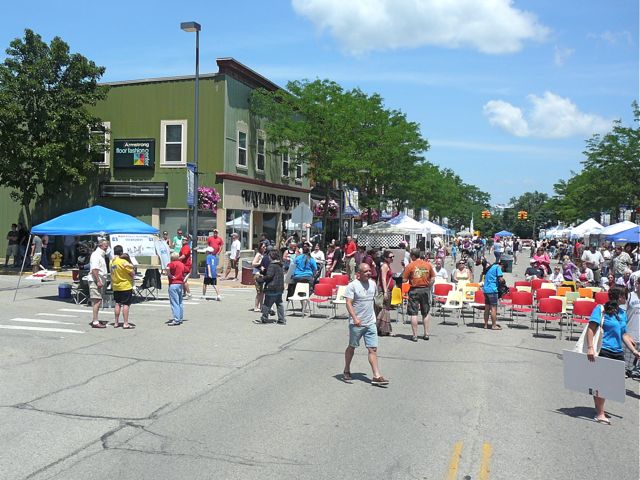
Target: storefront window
point(270, 225)
point(238, 221)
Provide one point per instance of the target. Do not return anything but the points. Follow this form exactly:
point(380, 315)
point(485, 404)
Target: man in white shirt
point(594, 260)
point(359, 296)
point(633, 325)
point(234, 257)
point(98, 280)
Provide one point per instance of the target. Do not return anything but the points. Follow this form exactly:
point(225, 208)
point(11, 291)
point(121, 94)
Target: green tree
point(539, 211)
point(45, 143)
point(610, 178)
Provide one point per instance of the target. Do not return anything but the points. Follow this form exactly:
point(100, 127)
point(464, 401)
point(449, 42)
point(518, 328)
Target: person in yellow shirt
point(122, 284)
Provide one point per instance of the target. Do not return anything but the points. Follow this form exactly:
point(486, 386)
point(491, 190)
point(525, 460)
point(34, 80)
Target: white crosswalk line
point(34, 320)
point(40, 329)
point(62, 315)
point(88, 310)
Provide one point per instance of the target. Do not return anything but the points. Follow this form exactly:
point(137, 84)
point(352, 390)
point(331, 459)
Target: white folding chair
point(300, 294)
point(339, 300)
point(454, 302)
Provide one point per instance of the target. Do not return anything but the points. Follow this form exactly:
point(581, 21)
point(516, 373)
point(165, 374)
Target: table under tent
point(98, 221)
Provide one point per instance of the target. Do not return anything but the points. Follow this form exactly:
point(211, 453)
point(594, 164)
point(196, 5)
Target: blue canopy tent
point(93, 221)
point(504, 233)
point(631, 235)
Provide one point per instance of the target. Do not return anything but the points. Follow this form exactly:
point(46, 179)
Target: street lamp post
point(195, 27)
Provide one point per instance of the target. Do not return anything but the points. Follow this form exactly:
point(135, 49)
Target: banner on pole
point(191, 184)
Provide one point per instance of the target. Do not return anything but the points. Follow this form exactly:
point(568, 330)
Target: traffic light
point(485, 214)
point(523, 215)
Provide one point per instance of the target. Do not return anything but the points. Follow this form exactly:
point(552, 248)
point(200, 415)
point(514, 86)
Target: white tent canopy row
point(616, 228)
point(585, 228)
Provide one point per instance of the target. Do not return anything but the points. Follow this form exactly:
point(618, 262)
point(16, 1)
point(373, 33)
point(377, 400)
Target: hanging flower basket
point(208, 199)
point(332, 208)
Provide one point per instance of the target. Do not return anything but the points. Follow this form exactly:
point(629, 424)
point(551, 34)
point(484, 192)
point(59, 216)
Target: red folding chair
point(440, 292)
point(521, 283)
point(326, 280)
point(322, 293)
point(549, 310)
point(601, 297)
point(544, 293)
point(341, 279)
point(536, 283)
point(478, 302)
point(521, 302)
point(582, 310)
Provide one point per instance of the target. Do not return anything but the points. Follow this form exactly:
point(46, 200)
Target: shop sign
point(134, 153)
point(257, 198)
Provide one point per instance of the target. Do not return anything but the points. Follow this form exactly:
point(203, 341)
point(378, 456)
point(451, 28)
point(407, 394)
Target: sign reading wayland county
point(134, 153)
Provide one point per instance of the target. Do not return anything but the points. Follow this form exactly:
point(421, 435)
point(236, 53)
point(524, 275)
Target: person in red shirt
point(215, 242)
point(185, 258)
point(176, 274)
point(350, 249)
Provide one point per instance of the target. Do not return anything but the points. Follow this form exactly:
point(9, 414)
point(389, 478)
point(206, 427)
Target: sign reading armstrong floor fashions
point(245, 196)
point(134, 153)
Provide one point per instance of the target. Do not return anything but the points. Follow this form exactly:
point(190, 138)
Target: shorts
point(96, 293)
point(490, 299)
point(419, 301)
point(259, 285)
point(210, 281)
point(35, 260)
point(369, 332)
point(234, 263)
point(123, 297)
point(609, 354)
point(12, 251)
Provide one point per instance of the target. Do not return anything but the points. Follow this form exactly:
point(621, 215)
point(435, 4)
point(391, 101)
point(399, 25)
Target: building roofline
point(230, 66)
point(226, 66)
point(221, 176)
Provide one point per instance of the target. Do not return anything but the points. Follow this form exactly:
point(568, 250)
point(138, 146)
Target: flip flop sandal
point(346, 376)
point(497, 327)
point(128, 327)
point(604, 421)
point(98, 325)
point(116, 325)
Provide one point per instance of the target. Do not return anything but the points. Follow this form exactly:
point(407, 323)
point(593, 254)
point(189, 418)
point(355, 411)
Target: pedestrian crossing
point(74, 321)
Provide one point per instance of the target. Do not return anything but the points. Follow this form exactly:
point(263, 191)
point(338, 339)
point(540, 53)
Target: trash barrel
point(247, 273)
point(507, 265)
point(64, 290)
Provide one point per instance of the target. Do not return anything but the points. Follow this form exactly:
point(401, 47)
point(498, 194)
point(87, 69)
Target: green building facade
point(149, 134)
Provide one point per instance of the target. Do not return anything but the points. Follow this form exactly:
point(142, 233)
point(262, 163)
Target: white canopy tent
point(616, 228)
point(433, 228)
point(585, 228)
point(407, 224)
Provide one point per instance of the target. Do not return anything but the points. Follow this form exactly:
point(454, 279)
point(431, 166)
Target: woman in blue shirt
point(305, 268)
point(614, 333)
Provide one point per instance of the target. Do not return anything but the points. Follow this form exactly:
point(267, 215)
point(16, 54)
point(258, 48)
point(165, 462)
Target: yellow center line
point(452, 473)
point(485, 461)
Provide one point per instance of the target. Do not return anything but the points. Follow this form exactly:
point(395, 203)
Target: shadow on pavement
point(583, 413)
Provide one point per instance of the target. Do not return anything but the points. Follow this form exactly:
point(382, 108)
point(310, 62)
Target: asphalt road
point(222, 398)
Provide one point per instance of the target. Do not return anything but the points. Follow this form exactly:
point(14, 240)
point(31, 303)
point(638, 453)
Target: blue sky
point(505, 91)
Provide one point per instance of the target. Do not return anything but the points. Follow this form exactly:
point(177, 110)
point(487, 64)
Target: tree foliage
point(610, 178)
point(45, 143)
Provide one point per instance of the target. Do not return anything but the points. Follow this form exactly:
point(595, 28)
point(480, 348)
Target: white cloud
point(550, 116)
point(613, 38)
point(561, 55)
point(490, 26)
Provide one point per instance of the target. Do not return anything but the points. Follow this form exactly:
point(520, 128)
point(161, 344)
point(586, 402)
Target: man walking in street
point(359, 296)
point(421, 276)
point(12, 246)
point(350, 249)
point(234, 257)
point(177, 241)
point(98, 280)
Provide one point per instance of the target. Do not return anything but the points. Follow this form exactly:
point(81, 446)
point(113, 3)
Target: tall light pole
point(195, 27)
